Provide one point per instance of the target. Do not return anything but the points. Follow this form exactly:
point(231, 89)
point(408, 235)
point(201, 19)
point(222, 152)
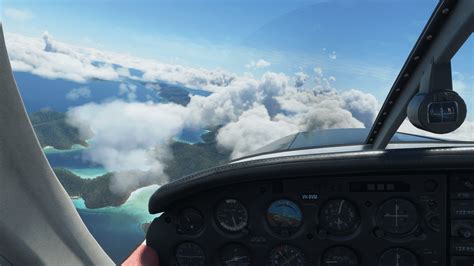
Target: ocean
point(117, 229)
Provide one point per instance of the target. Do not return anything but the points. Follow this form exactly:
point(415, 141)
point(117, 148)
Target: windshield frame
point(448, 28)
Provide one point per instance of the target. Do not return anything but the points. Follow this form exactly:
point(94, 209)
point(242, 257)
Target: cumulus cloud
point(252, 113)
point(300, 79)
point(49, 43)
point(133, 138)
point(77, 93)
point(129, 137)
point(129, 90)
point(363, 106)
point(465, 132)
point(261, 63)
point(52, 59)
point(20, 15)
point(252, 130)
point(333, 55)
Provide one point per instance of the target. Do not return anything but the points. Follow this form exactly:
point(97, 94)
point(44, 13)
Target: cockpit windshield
point(125, 96)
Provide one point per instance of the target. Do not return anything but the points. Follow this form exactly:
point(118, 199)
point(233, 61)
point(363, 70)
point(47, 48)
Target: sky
point(274, 68)
point(361, 43)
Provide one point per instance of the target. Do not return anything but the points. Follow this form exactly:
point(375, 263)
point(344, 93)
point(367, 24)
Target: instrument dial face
point(398, 257)
point(284, 214)
point(397, 216)
point(190, 222)
point(286, 255)
point(339, 217)
point(231, 215)
point(190, 254)
point(339, 256)
point(235, 255)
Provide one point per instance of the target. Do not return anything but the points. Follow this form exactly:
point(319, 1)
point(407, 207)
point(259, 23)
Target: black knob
point(434, 223)
point(467, 184)
point(465, 232)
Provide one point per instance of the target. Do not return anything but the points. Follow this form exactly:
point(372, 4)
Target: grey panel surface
point(38, 222)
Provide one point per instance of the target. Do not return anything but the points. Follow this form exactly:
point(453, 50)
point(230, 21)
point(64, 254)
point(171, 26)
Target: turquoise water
point(89, 173)
point(75, 147)
point(118, 229)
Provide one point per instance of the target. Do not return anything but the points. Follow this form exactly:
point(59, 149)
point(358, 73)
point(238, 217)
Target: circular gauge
point(339, 256)
point(339, 216)
point(284, 214)
point(235, 255)
point(190, 254)
point(397, 216)
point(286, 255)
point(190, 222)
point(398, 256)
point(231, 215)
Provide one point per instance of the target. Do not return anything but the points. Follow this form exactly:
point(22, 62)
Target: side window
point(462, 66)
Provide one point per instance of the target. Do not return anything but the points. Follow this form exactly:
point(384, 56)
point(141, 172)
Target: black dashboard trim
point(383, 161)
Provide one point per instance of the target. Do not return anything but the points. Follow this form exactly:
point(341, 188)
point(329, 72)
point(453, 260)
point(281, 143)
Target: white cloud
point(52, 59)
point(252, 130)
point(21, 15)
point(252, 112)
point(363, 106)
point(130, 137)
point(300, 79)
point(129, 90)
point(464, 132)
point(333, 55)
point(261, 63)
point(77, 93)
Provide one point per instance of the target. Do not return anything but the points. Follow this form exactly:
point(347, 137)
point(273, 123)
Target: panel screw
point(445, 11)
point(429, 37)
point(397, 89)
point(390, 102)
point(406, 75)
point(416, 58)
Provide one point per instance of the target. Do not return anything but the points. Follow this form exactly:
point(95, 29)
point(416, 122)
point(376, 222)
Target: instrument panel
point(332, 221)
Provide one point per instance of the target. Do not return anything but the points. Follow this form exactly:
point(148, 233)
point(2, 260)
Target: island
point(174, 94)
point(187, 159)
point(52, 130)
point(95, 192)
point(171, 93)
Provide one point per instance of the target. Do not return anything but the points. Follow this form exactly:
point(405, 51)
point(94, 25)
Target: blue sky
point(228, 34)
point(361, 43)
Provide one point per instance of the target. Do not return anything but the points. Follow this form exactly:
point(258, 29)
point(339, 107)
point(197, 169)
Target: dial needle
point(233, 220)
point(340, 207)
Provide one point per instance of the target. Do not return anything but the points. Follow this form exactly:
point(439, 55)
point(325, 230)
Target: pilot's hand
point(143, 255)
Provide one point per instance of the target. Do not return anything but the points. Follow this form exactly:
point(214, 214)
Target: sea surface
point(117, 229)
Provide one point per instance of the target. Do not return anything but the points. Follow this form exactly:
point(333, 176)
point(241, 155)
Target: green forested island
point(187, 159)
point(95, 192)
point(52, 130)
point(175, 95)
